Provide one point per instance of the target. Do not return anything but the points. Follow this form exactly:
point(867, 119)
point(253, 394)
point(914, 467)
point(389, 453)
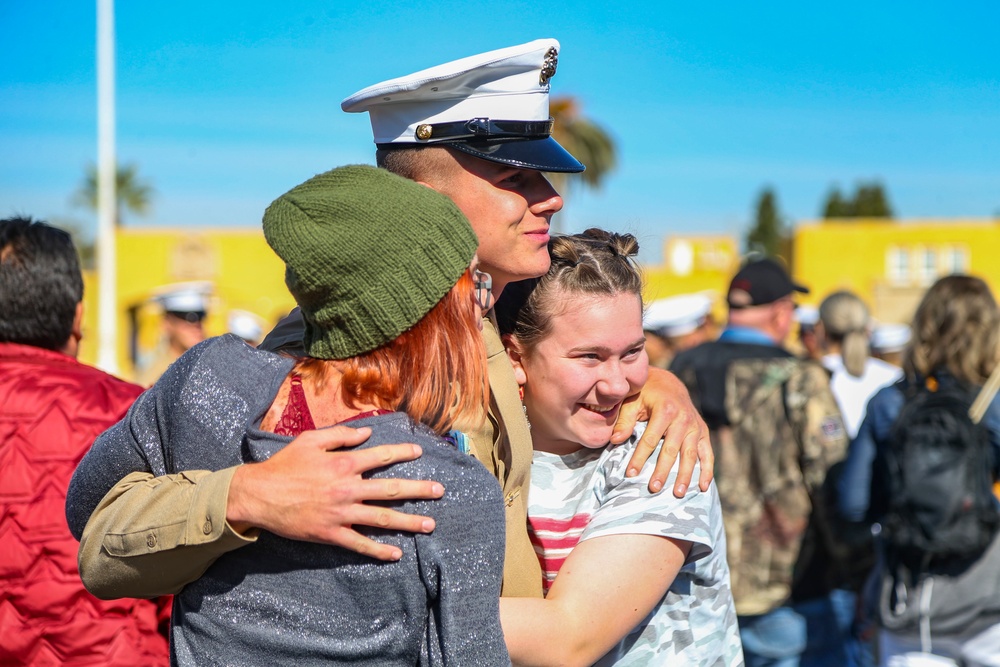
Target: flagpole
point(107, 315)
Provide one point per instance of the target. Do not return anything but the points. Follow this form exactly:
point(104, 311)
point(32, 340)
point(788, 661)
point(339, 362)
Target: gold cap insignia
point(549, 66)
point(424, 132)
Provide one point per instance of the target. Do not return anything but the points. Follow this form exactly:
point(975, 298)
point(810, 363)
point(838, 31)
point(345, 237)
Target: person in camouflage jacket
point(776, 430)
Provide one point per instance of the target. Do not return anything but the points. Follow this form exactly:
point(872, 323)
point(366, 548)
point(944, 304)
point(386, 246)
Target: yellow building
point(888, 263)
point(244, 274)
point(891, 263)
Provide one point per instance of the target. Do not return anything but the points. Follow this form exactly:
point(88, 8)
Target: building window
point(927, 269)
point(955, 260)
point(898, 265)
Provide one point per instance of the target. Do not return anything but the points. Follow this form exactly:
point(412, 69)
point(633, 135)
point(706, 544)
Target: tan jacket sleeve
point(152, 536)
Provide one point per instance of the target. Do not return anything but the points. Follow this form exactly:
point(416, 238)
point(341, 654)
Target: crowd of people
point(463, 448)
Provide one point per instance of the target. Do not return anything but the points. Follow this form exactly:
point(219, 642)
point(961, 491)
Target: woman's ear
point(515, 356)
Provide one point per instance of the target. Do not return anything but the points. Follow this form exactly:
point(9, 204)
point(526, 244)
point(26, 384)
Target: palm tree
point(585, 140)
point(132, 194)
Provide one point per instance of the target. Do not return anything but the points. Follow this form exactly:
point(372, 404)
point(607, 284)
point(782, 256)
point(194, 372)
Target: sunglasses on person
point(192, 316)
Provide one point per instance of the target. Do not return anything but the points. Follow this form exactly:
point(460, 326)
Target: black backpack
point(941, 504)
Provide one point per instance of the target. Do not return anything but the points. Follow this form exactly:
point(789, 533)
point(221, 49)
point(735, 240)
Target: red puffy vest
point(51, 410)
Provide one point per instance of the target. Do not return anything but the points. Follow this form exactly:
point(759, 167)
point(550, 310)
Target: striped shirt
point(583, 495)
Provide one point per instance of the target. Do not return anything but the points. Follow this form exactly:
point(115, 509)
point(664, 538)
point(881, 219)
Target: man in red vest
point(51, 409)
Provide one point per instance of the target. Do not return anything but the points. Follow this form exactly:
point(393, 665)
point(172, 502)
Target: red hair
point(435, 372)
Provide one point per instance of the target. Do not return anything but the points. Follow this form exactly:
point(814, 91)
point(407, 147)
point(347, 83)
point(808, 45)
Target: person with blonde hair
point(386, 273)
point(844, 333)
point(933, 609)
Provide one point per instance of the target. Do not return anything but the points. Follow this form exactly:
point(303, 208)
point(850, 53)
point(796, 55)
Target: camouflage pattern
point(586, 495)
point(785, 432)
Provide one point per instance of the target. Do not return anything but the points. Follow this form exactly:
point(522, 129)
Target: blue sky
point(225, 105)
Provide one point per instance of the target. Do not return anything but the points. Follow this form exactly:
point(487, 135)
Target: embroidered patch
point(833, 428)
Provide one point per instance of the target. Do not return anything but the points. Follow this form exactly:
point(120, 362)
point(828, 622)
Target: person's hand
point(309, 491)
point(665, 404)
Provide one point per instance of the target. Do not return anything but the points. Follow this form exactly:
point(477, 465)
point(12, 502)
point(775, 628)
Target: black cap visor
point(537, 154)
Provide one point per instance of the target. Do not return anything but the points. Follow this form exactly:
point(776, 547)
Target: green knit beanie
point(367, 254)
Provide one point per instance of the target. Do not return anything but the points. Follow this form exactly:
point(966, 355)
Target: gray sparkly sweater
point(282, 602)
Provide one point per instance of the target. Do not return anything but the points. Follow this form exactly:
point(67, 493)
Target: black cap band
point(484, 129)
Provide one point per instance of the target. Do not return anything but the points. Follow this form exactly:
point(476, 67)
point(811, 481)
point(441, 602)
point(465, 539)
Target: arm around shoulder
point(152, 536)
point(666, 406)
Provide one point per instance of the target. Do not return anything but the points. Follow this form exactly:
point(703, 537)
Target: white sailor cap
point(677, 315)
point(493, 106)
point(184, 298)
point(890, 337)
point(807, 316)
point(246, 325)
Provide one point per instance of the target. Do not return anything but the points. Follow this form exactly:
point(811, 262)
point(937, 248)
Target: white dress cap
point(246, 325)
point(184, 298)
point(890, 337)
point(807, 315)
point(677, 315)
point(494, 105)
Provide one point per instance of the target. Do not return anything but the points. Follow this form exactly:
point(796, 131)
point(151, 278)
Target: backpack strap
point(985, 396)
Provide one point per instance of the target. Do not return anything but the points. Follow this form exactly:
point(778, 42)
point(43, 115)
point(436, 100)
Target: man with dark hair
point(478, 131)
point(52, 409)
point(38, 269)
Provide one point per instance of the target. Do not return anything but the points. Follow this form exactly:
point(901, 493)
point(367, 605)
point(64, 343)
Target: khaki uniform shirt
point(152, 536)
point(503, 445)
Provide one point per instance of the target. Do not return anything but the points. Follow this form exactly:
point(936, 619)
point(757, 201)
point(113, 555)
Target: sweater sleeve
point(861, 489)
point(461, 564)
point(854, 485)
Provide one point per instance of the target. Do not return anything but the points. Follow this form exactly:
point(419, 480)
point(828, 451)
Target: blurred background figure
point(918, 467)
point(247, 326)
point(675, 324)
point(888, 342)
point(53, 408)
point(807, 317)
point(843, 336)
point(185, 307)
point(776, 431)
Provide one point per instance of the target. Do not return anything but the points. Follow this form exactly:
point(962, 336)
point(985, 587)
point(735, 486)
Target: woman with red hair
point(385, 272)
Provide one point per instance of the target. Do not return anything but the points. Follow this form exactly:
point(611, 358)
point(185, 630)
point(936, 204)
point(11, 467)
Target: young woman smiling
point(642, 579)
